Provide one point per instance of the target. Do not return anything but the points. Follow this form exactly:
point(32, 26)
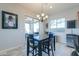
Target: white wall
point(69, 14)
point(13, 37)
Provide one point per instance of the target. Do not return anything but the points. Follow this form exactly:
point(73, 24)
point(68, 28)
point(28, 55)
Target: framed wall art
point(9, 20)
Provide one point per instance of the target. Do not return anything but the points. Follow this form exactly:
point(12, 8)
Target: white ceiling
point(57, 7)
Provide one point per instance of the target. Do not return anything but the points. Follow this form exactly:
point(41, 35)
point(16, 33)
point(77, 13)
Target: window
point(27, 28)
point(28, 20)
point(53, 24)
point(36, 27)
point(58, 23)
point(61, 23)
point(31, 25)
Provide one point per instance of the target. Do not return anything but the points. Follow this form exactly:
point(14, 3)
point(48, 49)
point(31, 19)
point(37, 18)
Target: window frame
point(57, 23)
point(38, 25)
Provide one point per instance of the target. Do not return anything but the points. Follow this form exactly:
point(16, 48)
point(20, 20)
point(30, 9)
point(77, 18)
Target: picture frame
point(9, 20)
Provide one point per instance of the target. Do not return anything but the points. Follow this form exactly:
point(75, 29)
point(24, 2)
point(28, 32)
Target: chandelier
point(43, 15)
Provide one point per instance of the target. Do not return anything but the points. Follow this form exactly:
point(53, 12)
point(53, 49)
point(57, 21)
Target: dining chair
point(32, 45)
point(76, 44)
point(48, 45)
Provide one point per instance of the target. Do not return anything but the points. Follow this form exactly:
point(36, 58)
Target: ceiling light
point(38, 15)
point(50, 6)
point(42, 14)
point(39, 18)
point(46, 16)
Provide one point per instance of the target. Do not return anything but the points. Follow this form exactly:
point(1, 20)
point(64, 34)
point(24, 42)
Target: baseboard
point(62, 42)
point(5, 51)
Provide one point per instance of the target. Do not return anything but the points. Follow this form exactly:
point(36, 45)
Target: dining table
point(40, 40)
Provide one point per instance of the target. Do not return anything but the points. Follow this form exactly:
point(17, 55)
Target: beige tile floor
point(61, 50)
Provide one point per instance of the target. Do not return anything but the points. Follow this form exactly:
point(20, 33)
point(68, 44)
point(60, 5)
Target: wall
point(10, 38)
point(69, 14)
point(16, 37)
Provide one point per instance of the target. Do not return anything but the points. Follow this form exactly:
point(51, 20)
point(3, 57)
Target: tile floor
point(61, 50)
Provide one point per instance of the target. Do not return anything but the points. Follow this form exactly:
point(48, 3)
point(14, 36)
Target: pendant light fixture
point(42, 16)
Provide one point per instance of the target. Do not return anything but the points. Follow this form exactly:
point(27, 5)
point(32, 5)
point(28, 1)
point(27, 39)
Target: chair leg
point(52, 50)
point(48, 51)
point(28, 48)
point(33, 52)
point(27, 51)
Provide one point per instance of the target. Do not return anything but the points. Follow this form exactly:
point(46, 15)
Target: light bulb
point(39, 18)
point(42, 14)
point(38, 15)
point(46, 16)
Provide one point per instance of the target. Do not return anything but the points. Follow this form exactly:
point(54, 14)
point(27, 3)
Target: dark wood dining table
point(37, 38)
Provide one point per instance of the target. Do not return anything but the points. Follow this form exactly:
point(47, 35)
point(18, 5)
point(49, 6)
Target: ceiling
point(56, 7)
